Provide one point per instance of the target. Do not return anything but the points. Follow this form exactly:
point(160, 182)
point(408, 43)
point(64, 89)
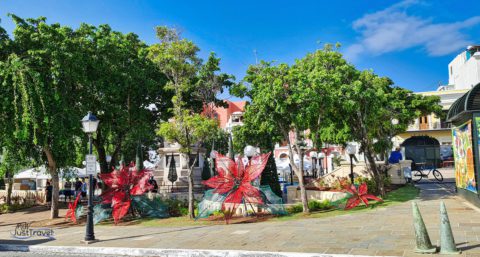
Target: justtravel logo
point(23, 231)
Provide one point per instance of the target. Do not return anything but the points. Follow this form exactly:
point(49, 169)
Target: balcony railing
point(429, 126)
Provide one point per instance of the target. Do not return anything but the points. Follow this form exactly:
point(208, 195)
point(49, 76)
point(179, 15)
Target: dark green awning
point(461, 109)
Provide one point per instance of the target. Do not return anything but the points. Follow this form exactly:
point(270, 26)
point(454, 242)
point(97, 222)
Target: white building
point(464, 70)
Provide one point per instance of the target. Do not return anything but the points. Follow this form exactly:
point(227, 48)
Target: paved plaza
point(381, 231)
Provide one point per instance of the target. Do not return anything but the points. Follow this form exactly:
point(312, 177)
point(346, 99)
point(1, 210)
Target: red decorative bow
point(122, 184)
point(358, 196)
point(234, 180)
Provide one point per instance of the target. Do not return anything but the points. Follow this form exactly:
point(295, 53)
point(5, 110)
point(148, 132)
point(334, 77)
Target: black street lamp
point(90, 125)
point(351, 150)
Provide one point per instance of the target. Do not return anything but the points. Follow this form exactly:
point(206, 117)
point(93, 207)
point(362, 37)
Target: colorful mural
point(463, 154)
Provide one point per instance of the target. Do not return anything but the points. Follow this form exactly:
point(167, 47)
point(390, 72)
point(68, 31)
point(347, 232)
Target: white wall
point(463, 73)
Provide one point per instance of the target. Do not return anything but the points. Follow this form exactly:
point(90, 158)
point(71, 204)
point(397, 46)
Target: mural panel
point(463, 154)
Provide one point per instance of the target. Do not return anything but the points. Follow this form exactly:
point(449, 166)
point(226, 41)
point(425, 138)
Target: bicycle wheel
point(417, 176)
point(438, 176)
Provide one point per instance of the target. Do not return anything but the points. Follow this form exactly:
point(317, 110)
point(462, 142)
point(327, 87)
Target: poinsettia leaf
point(119, 197)
point(256, 166)
point(372, 197)
point(352, 203)
point(120, 210)
point(225, 165)
point(362, 189)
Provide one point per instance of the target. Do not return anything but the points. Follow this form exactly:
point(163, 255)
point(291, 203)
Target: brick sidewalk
point(381, 231)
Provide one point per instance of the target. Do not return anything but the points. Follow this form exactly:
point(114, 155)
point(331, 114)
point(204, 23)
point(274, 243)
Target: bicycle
point(419, 173)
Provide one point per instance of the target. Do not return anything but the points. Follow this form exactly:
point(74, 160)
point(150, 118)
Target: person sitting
point(395, 156)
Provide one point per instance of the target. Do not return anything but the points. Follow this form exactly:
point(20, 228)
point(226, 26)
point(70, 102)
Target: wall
point(463, 73)
point(443, 136)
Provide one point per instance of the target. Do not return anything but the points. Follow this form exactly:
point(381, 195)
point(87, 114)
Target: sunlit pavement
point(381, 231)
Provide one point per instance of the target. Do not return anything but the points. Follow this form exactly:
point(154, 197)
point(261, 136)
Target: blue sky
point(410, 41)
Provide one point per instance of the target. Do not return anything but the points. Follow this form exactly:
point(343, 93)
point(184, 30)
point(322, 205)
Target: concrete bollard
point(423, 243)
point(447, 242)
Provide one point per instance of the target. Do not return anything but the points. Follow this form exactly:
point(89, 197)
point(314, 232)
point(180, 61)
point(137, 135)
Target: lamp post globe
point(90, 126)
point(351, 149)
point(249, 151)
point(394, 121)
point(90, 123)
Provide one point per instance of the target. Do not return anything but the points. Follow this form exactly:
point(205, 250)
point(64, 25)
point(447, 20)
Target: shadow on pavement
point(24, 242)
point(151, 234)
point(465, 248)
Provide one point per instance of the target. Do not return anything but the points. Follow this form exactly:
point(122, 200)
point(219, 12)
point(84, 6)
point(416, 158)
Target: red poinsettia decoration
point(122, 185)
point(358, 196)
point(234, 181)
point(72, 209)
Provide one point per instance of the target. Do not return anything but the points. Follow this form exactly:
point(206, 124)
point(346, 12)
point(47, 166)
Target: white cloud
point(393, 29)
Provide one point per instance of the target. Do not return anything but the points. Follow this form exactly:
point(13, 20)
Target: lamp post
point(90, 125)
point(321, 157)
point(314, 156)
point(351, 150)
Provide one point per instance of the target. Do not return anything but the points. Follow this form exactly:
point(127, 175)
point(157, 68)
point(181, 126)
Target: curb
point(121, 251)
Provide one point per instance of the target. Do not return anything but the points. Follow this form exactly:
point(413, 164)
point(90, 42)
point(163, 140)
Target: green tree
point(265, 139)
point(276, 108)
point(41, 75)
point(190, 133)
point(195, 85)
point(371, 102)
point(124, 88)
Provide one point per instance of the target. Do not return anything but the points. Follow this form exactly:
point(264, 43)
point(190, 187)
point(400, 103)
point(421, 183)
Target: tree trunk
point(378, 176)
point(303, 192)
point(102, 158)
point(191, 196)
point(52, 167)
point(299, 172)
point(9, 190)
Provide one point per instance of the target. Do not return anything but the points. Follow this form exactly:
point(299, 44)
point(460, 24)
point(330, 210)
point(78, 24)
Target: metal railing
point(429, 126)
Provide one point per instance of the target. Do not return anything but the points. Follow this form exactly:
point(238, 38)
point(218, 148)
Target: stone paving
point(381, 231)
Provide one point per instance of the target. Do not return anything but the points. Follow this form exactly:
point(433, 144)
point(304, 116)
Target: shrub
point(177, 208)
point(313, 205)
point(372, 184)
point(295, 208)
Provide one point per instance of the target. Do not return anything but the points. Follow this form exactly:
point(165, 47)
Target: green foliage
point(372, 184)
point(187, 130)
point(218, 142)
point(313, 205)
point(176, 208)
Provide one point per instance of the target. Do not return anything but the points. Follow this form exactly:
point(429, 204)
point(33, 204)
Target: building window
point(424, 122)
point(168, 159)
point(192, 159)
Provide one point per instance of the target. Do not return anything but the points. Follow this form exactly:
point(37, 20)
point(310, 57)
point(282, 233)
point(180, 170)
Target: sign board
point(91, 164)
